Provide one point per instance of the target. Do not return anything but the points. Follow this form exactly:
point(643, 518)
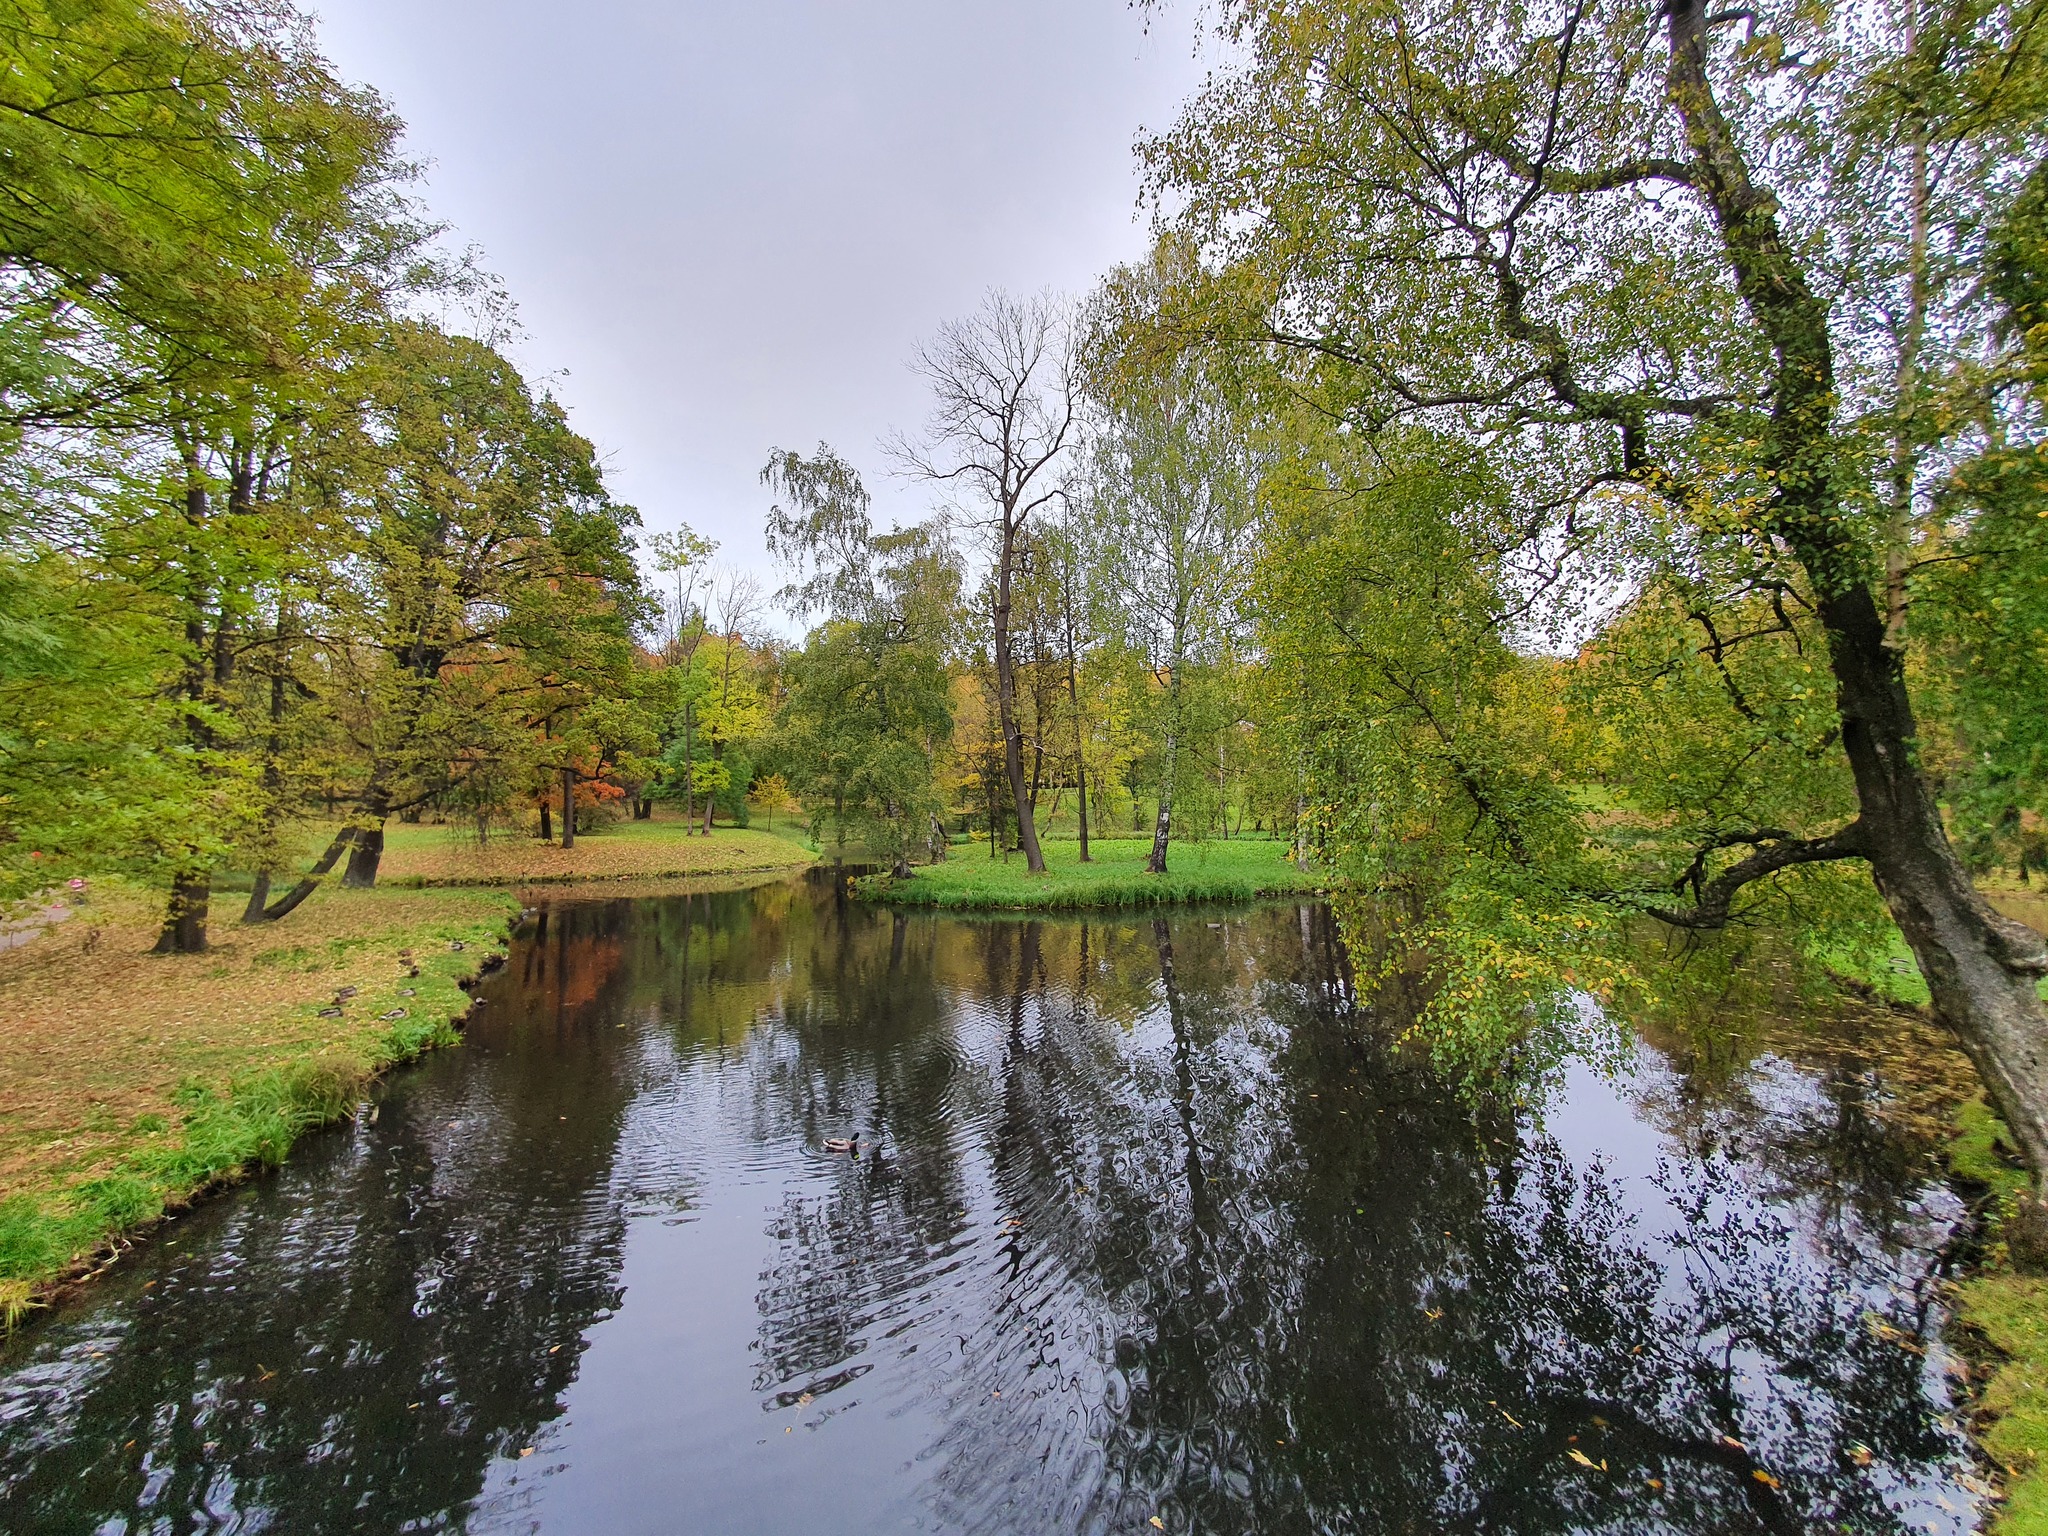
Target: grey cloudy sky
point(727, 224)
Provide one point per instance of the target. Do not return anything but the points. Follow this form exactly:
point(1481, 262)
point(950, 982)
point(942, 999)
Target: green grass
point(1891, 977)
point(2011, 1311)
point(431, 854)
point(1239, 869)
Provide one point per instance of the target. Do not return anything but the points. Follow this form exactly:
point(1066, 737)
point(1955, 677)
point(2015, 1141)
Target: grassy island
point(1227, 870)
point(130, 1082)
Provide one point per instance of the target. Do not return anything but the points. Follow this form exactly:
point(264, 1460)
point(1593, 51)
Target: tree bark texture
point(184, 930)
point(568, 806)
point(1162, 825)
point(1006, 703)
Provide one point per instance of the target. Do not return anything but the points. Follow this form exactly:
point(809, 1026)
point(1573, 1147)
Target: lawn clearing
point(1237, 869)
point(626, 850)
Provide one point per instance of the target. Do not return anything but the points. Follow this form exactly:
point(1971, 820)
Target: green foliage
point(869, 703)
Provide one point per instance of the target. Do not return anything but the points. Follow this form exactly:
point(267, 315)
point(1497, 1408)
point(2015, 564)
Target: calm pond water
point(1147, 1229)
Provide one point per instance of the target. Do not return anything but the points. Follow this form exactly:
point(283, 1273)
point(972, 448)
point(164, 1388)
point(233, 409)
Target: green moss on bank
point(59, 1219)
point(2009, 1310)
point(1231, 870)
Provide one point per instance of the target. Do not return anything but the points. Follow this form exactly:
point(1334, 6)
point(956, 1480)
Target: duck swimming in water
point(843, 1144)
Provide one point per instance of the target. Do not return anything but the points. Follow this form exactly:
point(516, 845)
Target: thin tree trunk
point(689, 775)
point(184, 929)
point(568, 806)
point(547, 821)
point(1006, 705)
point(1162, 827)
point(259, 897)
point(1074, 699)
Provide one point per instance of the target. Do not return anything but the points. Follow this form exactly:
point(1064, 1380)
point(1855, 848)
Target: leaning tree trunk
point(1981, 968)
point(343, 841)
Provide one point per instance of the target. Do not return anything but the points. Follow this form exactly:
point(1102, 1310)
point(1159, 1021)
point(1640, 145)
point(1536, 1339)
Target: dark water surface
point(1147, 1229)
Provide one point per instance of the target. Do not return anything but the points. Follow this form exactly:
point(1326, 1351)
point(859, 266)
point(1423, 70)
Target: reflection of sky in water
point(1619, 1121)
point(1141, 1227)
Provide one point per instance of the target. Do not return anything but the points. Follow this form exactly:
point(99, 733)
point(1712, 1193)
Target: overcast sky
point(726, 225)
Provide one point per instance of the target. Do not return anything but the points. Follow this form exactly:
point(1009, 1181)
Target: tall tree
point(1004, 392)
point(1174, 489)
point(869, 706)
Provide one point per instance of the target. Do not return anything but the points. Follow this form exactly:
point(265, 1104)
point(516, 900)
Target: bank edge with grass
point(55, 1236)
point(2001, 1317)
point(1216, 872)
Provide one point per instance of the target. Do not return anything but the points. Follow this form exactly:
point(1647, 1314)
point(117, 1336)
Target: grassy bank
point(1232, 870)
point(1894, 977)
point(2005, 1304)
point(129, 1082)
point(627, 850)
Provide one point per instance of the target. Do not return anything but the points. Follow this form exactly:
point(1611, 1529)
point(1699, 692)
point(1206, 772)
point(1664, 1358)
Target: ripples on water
point(1146, 1226)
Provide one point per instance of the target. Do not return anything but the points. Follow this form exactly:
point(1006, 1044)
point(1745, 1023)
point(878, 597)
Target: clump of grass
point(1226, 871)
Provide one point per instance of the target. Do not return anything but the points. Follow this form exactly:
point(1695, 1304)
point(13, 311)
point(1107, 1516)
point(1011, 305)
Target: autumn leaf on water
point(1157, 1523)
point(1765, 1478)
point(1586, 1461)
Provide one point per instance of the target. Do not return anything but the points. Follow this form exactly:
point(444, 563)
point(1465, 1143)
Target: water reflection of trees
point(1253, 1271)
point(1148, 1213)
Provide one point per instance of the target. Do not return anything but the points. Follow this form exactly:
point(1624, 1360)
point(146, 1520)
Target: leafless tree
point(1004, 392)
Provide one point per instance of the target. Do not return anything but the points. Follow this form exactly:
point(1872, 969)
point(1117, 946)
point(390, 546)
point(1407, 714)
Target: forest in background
point(1567, 471)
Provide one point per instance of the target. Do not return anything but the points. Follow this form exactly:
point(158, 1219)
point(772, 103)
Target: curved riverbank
point(132, 1083)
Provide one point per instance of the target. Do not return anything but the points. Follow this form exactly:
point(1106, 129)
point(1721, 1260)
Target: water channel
point(1148, 1228)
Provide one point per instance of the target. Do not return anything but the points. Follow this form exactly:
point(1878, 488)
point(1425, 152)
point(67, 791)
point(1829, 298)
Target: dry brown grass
point(450, 855)
point(96, 1034)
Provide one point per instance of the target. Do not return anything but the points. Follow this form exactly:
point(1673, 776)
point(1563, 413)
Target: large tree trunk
point(184, 930)
point(259, 897)
point(365, 856)
point(1981, 968)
